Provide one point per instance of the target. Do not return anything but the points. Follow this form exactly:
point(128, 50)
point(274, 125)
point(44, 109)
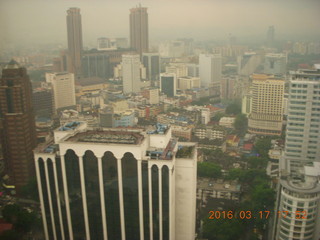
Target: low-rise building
point(210, 188)
point(227, 122)
point(210, 133)
point(182, 132)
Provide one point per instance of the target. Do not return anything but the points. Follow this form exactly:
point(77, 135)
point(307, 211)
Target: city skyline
point(210, 20)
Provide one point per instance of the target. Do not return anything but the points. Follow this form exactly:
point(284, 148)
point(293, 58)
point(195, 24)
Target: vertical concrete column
point(139, 162)
point(58, 199)
point(50, 200)
point(160, 203)
point(43, 212)
point(120, 186)
point(102, 200)
point(66, 195)
point(171, 208)
point(84, 198)
point(150, 200)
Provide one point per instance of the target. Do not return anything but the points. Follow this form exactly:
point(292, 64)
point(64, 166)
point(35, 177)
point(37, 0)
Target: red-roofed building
point(4, 226)
point(247, 147)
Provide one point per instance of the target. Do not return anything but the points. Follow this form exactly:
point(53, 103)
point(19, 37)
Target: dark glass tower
point(16, 113)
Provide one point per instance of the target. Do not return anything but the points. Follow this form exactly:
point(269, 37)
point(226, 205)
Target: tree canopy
point(262, 146)
point(233, 108)
point(241, 124)
point(23, 221)
point(209, 169)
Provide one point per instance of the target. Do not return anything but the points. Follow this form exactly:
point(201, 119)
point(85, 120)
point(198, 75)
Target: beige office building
point(266, 113)
point(185, 83)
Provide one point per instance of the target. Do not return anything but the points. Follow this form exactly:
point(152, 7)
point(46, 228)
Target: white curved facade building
point(297, 217)
point(117, 184)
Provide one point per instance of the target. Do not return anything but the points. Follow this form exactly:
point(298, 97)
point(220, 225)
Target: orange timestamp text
point(255, 215)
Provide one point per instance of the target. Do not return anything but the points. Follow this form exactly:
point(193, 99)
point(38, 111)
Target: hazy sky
point(45, 20)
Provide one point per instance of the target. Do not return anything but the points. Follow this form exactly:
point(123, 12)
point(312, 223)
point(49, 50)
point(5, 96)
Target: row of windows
point(297, 108)
point(298, 97)
point(294, 140)
point(297, 113)
point(299, 85)
point(296, 119)
point(296, 124)
point(298, 91)
point(295, 129)
point(293, 150)
point(295, 135)
point(293, 145)
point(298, 102)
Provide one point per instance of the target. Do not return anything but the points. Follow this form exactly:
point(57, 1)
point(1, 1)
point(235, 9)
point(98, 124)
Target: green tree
point(258, 162)
point(263, 146)
point(241, 124)
point(235, 173)
point(10, 235)
point(263, 196)
point(234, 109)
point(30, 190)
point(217, 116)
point(209, 169)
point(223, 229)
point(23, 221)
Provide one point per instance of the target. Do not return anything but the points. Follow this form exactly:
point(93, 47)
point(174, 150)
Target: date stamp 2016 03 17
point(255, 215)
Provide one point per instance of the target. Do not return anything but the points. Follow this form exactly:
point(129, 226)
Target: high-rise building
point(172, 49)
point(18, 137)
point(303, 123)
point(275, 63)
point(228, 85)
point(75, 45)
point(270, 36)
point(111, 43)
point(193, 69)
point(210, 68)
point(185, 83)
point(266, 113)
point(297, 214)
point(63, 87)
point(151, 61)
point(96, 65)
point(298, 197)
point(43, 102)
point(248, 63)
point(168, 84)
point(152, 94)
point(117, 184)
point(131, 75)
point(139, 32)
point(179, 69)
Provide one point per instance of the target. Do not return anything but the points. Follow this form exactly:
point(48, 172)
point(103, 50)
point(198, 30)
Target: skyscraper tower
point(74, 30)
point(16, 114)
point(303, 124)
point(270, 36)
point(139, 34)
point(298, 198)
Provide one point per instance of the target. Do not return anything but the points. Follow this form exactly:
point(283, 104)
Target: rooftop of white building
point(106, 136)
